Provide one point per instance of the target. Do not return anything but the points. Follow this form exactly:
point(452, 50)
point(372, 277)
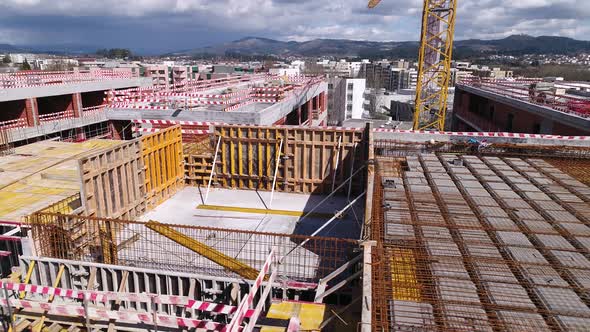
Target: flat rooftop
point(478, 243)
point(571, 110)
point(246, 99)
point(17, 86)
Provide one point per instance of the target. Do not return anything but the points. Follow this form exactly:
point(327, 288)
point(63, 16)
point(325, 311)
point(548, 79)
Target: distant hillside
point(7, 48)
point(513, 45)
point(59, 49)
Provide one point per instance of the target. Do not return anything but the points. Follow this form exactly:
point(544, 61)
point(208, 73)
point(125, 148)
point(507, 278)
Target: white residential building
point(345, 99)
point(285, 71)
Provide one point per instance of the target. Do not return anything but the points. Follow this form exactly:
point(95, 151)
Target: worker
point(478, 145)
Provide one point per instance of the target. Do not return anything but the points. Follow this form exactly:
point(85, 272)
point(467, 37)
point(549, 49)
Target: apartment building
point(346, 99)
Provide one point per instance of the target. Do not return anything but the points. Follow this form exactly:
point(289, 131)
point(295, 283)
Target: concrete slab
point(183, 209)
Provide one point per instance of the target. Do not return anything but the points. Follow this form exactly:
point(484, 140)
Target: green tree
point(115, 53)
point(6, 59)
point(25, 65)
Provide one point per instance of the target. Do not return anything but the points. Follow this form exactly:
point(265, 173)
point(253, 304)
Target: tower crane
point(434, 63)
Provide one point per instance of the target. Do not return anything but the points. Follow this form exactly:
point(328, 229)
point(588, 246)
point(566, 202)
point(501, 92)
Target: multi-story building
point(159, 74)
point(346, 99)
point(166, 76)
point(514, 106)
point(401, 79)
point(392, 77)
point(59, 104)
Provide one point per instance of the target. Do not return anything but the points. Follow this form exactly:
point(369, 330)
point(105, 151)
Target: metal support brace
point(319, 298)
point(212, 170)
point(10, 317)
point(336, 163)
point(319, 230)
point(322, 285)
point(274, 179)
point(327, 321)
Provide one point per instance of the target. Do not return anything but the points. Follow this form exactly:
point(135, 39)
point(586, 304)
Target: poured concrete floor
point(183, 209)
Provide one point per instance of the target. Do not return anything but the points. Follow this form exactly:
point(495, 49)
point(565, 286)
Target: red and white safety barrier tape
point(248, 300)
point(184, 131)
point(481, 134)
point(125, 316)
point(104, 297)
point(172, 122)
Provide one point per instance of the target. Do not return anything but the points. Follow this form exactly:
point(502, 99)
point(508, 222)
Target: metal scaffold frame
point(434, 64)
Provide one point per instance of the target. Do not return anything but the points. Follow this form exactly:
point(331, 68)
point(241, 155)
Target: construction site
point(226, 204)
point(291, 227)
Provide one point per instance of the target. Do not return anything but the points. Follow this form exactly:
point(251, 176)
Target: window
point(349, 97)
point(349, 107)
point(350, 86)
point(330, 86)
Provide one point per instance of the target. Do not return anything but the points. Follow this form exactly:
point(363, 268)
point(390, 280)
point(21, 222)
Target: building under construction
point(276, 227)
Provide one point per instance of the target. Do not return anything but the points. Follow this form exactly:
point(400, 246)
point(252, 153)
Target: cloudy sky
point(166, 25)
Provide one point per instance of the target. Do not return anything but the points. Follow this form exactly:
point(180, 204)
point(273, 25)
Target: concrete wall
point(486, 111)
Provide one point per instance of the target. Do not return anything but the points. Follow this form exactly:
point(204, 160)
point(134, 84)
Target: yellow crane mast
point(434, 63)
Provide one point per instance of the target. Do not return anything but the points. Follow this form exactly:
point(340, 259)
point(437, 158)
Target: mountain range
point(257, 46)
point(58, 49)
point(513, 45)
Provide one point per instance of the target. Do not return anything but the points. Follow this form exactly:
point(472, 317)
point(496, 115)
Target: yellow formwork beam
point(262, 211)
point(228, 262)
point(403, 275)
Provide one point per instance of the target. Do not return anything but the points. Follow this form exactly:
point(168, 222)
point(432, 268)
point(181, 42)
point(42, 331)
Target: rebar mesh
point(473, 243)
point(131, 243)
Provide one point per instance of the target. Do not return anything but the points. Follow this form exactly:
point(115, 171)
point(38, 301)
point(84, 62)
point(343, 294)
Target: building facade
point(490, 107)
point(346, 99)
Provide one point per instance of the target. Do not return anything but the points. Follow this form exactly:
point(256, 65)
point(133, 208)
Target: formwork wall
point(129, 243)
point(113, 182)
point(162, 156)
point(310, 161)
point(126, 180)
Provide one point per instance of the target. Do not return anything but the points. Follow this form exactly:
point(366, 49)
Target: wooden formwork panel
point(163, 158)
point(311, 160)
point(113, 182)
point(197, 169)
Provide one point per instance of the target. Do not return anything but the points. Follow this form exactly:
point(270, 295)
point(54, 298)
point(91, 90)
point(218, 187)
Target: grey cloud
point(195, 22)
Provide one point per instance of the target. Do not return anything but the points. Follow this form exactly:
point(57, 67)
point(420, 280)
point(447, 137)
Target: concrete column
point(69, 103)
point(32, 112)
point(77, 105)
point(115, 134)
point(80, 135)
